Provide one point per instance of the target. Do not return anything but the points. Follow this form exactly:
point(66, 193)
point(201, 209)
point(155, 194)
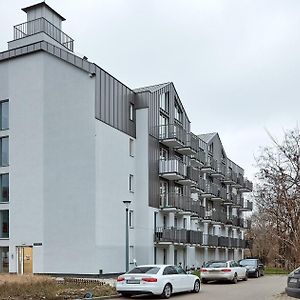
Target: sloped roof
point(206, 137)
point(151, 88)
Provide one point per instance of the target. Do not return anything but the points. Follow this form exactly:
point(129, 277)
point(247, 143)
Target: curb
point(103, 297)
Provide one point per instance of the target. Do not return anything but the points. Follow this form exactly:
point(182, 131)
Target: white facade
point(70, 172)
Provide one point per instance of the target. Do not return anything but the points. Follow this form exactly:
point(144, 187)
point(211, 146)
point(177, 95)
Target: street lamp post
point(127, 203)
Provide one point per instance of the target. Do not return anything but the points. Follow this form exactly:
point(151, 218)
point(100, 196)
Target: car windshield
point(248, 262)
point(216, 264)
point(144, 270)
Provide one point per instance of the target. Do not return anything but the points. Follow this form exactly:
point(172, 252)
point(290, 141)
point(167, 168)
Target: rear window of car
point(216, 264)
point(144, 270)
point(248, 262)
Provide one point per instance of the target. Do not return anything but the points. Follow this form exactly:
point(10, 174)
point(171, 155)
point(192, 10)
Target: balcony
point(219, 193)
point(172, 169)
point(181, 204)
point(224, 241)
point(243, 223)
point(42, 25)
point(172, 136)
point(210, 240)
point(239, 181)
point(170, 235)
point(195, 237)
point(247, 206)
point(238, 201)
point(191, 177)
point(190, 146)
point(210, 190)
point(219, 172)
point(247, 186)
point(230, 199)
point(198, 159)
point(211, 216)
point(210, 165)
point(230, 178)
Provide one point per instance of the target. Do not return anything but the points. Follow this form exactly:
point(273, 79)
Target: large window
point(178, 112)
point(163, 126)
point(164, 101)
point(4, 114)
point(4, 223)
point(4, 151)
point(4, 188)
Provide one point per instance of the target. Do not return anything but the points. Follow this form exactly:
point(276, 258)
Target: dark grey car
point(293, 284)
point(254, 266)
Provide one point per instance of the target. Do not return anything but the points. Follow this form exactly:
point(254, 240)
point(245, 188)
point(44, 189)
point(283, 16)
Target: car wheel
point(196, 287)
point(167, 292)
point(234, 279)
point(256, 275)
point(203, 280)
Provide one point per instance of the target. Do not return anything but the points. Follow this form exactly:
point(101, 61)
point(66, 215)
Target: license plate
point(132, 281)
point(214, 271)
point(293, 280)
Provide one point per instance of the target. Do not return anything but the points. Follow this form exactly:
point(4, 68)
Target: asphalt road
point(263, 288)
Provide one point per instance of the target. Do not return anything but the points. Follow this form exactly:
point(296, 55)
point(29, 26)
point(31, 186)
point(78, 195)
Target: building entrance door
point(25, 260)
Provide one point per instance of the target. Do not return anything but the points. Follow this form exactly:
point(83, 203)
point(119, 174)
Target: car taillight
point(120, 279)
point(149, 279)
point(203, 270)
point(225, 270)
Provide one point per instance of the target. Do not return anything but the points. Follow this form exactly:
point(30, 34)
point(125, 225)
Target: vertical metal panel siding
point(112, 102)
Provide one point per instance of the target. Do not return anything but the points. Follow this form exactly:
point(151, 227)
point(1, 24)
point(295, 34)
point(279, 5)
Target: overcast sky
point(235, 63)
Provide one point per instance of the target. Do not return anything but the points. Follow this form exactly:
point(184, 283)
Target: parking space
point(263, 288)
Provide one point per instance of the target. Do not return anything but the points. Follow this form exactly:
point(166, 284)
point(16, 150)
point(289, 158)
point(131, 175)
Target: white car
point(223, 270)
point(161, 280)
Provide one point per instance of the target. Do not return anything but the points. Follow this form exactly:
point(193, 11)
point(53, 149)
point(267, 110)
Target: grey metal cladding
point(112, 98)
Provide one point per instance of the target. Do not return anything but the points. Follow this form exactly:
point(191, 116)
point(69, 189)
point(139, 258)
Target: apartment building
point(76, 142)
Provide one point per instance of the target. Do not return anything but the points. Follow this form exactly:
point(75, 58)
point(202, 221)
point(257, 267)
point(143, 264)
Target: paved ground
point(263, 288)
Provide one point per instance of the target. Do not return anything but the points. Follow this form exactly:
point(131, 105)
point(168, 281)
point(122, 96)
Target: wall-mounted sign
point(37, 244)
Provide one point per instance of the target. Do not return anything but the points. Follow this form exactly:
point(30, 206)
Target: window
point(131, 110)
point(164, 188)
point(4, 114)
point(131, 218)
point(211, 147)
point(178, 190)
point(4, 188)
point(169, 270)
point(4, 151)
point(163, 154)
point(131, 183)
point(184, 223)
point(165, 256)
point(178, 112)
point(4, 223)
point(164, 101)
point(131, 149)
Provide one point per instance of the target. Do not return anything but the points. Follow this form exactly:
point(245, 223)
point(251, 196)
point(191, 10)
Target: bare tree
point(278, 194)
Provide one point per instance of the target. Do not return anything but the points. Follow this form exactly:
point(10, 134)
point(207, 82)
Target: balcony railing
point(199, 158)
point(181, 202)
point(210, 240)
point(247, 206)
point(247, 186)
point(230, 177)
point(172, 235)
point(210, 165)
point(172, 169)
point(195, 237)
point(191, 177)
point(244, 223)
point(42, 25)
point(219, 171)
point(172, 135)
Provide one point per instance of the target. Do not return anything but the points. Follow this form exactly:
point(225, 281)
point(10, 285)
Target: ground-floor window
point(165, 256)
point(4, 259)
point(4, 222)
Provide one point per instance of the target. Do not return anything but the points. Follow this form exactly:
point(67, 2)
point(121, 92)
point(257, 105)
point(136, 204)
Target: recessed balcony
point(231, 199)
point(219, 194)
point(172, 169)
point(219, 172)
point(195, 237)
point(239, 182)
point(210, 240)
point(172, 136)
point(198, 159)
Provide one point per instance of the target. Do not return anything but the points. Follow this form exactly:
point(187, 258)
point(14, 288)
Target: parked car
point(293, 284)
point(157, 280)
point(254, 266)
point(223, 270)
